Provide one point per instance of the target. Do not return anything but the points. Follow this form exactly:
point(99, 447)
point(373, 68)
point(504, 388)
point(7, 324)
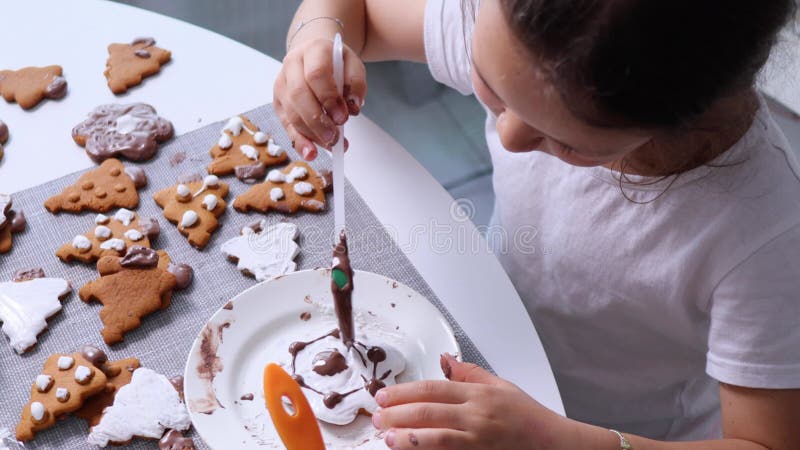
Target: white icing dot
point(127, 123)
point(297, 173)
point(65, 362)
point(81, 242)
point(313, 204)
point(82, 374)
point(211, 180)
point(303, 188)
point(125, 216)
point(276, 194)
point(62, 394)
point(274, 149)
point(37, 411)
point(210, 202)
point(189, 218)
point(134, 235)
point(101, 219)
point(102, 232)
point(259, 137)
point(43, 382)
point(249, 151)
point(224, 142)
point(234, 125)
point(276, 176)
point(113, 244)
point(183, 191)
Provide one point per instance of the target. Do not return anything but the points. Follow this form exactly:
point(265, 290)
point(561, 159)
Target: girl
point(630, 134)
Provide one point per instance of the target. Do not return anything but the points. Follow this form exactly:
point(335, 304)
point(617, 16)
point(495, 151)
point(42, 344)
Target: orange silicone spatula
point(298, 431)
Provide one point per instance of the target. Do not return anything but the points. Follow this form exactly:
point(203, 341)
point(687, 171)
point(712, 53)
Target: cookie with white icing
point(145, 407)
point(109, 186)
point(264, 251)
point(244, 150)
point(131, 131)
point(66, 381)
point(111, 236)
point(194, 207)
point(288, 190)
point(26, 303)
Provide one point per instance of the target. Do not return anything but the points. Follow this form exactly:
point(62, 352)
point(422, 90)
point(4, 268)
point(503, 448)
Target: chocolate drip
point(183, 275)
point(147, 41)
point(94, 355)
point(298, 346)
point(252, 173)
point(140, 257)
point(137, 175)
point(329, 363)
point(3, 132)
point(142, 53)
point(150, 227)
point(376, 355)
point(333, 398)
point(247, 397)
point(342, 289)
point(18, 221)
point(27, 274)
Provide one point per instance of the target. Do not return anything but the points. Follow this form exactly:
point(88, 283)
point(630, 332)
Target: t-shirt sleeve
point(446, 44)
point(754, 338)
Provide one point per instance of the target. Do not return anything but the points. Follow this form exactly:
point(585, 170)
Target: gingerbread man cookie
point(26, 303)
point(194, 207)
point(30, 85)
point(145, 407)
point(263, 251)
point(3, 136)
point(10, 222)
point(111, 236)
point(296, 186)
point(132, 131)
point(63, 386)
point(244, 150)
point(109, 186)
point(128, 64)
point(118, 374)
point(132, 287)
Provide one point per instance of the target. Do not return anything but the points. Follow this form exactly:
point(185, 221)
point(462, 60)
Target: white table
point(211, 78)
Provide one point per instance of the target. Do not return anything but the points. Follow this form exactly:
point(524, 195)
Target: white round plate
point(257, 327)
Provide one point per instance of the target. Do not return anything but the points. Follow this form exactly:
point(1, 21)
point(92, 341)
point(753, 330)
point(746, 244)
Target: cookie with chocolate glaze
point(194, 207)
point(129, 64)
point(132, 287)
point(244, 150)
point(31, 85)
point(10, 222)
point(63, 386)
point(111, 236)
point(3, 137)
point(295, 187)
point(109, 186)
point(131, 131)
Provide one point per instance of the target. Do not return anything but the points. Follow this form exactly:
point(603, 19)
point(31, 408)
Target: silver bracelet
point(304, 23)
point(623, 442)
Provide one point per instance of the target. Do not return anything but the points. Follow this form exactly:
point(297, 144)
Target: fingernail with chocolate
point(354, 104)
point(445, 364)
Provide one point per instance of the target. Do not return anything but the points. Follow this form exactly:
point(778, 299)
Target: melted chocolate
point(177, 383)
point(174, 440)
point(333, 398)
point(3, 132)
point(147, 41)
point(150, 227)
point(27, 274)
point(247, 397)
point(305, 316)
point(183, 275)
point(142, 53)
point(177, 158)
point(137, 175)
point(94, 355)
point(57, 88)
point(252, 173)
point(140, 258)
point(18, 221)
point(342, 296)
point(228, 306)
point(329, 363)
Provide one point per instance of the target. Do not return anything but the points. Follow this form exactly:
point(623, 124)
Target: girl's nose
point(516, 135)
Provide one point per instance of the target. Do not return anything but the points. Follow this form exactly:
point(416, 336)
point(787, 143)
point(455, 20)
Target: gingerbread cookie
point(3, 136)
point(132, 287)
point(296, 186)
point(25, 304)
point(194, 207)
point(145, 408)
point(64, 384)
point(128, 64)
point(174, 440)
point(30, 85)
point(111, 236)
point(118, 374)
point(264, 251)
point(10, 222)
point(244, 150)
point(132, 131)
point(109, 186)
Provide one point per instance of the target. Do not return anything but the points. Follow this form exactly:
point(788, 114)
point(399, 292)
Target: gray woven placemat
point(164, 339)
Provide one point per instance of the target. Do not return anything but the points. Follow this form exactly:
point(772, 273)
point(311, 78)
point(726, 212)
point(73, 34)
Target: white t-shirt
point(642, 308)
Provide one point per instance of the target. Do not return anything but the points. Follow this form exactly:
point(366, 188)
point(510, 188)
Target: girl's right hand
point(306, 99)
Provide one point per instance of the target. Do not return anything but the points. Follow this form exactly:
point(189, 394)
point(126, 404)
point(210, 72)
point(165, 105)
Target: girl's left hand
point(474, 410)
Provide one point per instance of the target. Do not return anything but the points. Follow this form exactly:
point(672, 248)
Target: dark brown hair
point(647, 63)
